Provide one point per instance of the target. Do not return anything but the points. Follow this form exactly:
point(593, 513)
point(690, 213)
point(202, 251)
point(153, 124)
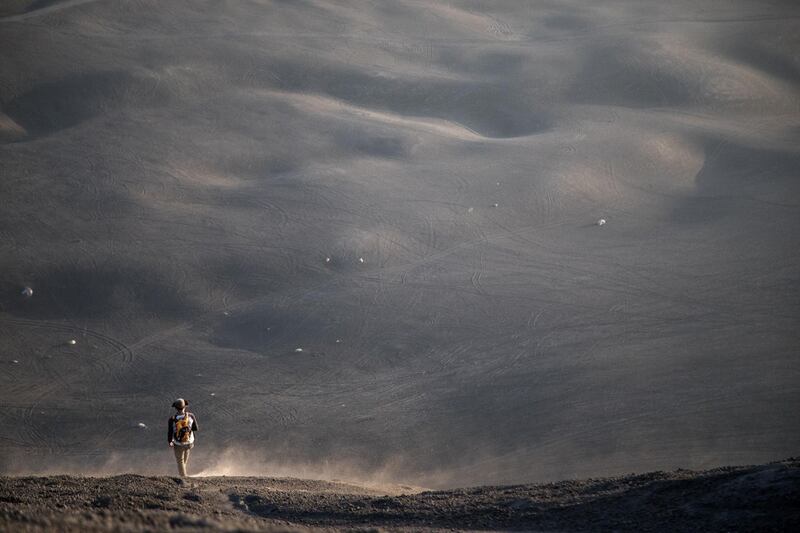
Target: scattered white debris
point(298, 350)
point(360, 259)
point(601, 222)
point(142, 425)
point(72, 342)
point(27, 292)
point(15, 362)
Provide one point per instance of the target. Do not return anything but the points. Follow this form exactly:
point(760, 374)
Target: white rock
point(327, 259)
point(495, 205)
point(142, 425)
point(338, 341)
point(15, 362)
point(298, 350)
point(470, 210)
point(360, 259)
point(601, 222)
point(27, 292)
point(213, 394)
point(72, 342)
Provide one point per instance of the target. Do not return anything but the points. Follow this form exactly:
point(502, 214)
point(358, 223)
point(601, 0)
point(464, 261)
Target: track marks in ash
point(117, 348)
point(76, 292)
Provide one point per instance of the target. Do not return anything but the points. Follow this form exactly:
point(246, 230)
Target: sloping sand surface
point(362, 238)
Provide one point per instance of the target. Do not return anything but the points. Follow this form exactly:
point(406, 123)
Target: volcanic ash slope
point(363, 237)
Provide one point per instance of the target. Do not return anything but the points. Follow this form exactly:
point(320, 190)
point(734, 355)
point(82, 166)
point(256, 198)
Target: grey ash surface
point(173, 175)
point(760, 498)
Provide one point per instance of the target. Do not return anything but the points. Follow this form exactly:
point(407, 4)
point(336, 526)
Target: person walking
point(180, 433)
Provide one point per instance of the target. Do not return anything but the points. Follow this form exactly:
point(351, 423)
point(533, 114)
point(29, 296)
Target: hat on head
point(180, 403)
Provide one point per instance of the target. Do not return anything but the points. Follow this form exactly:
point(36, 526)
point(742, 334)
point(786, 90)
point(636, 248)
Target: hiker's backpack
point(183, 428)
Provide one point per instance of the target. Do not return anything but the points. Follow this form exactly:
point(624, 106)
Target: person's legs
point(181, 454)
point(186, 451)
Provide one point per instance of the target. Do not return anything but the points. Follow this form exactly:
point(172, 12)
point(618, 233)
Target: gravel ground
point(753, 498)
